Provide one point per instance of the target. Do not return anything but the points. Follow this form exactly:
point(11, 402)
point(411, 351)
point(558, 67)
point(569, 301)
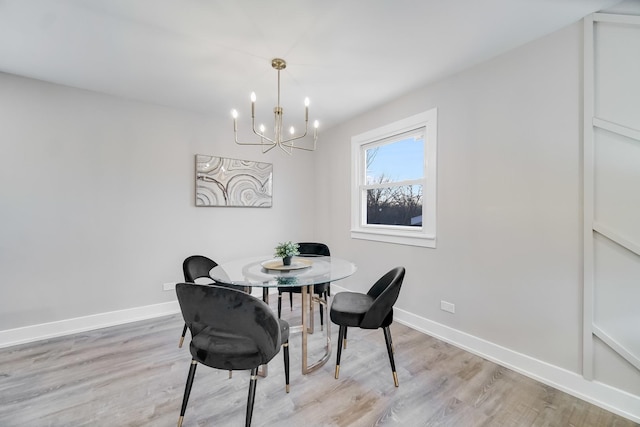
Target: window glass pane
point(396, 161)
point(401, 205)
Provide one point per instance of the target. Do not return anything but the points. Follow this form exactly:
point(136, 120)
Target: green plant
point(286, 249)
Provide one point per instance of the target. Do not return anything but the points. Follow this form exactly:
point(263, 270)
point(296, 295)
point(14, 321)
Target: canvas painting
point(221, 181)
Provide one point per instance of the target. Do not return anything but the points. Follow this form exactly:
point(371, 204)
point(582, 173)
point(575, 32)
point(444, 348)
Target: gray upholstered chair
point(198, 267)
point(323, 290)
point(230, 330)
point(372, 310)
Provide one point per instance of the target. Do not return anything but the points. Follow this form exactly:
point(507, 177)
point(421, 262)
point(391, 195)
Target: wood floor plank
point(134, 375)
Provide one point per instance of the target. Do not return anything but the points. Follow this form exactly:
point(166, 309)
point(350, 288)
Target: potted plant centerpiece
point(286, 250)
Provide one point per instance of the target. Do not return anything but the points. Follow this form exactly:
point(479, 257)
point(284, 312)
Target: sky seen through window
point(397, 161)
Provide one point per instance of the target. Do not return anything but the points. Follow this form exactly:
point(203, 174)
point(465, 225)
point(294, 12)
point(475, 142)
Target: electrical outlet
point(169, 286)
point(447, 306)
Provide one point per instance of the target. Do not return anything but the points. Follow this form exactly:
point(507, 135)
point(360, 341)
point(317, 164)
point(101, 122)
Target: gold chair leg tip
point(180, 421)
point(181, 341)
point(337, 371)
point(287, 388)
point(395, 379)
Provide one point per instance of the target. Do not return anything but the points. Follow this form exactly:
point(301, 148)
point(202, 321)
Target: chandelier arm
point(271, 143)
point(282, 147)
point(263, 136)
point(253, 127)
point(289, 142)
point(254, 143)
point(272, 146)
point(294, 138)
point(303, 148)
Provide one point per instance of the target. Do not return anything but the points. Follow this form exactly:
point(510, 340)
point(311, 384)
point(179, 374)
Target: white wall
point(97, 201)
point(509, 233)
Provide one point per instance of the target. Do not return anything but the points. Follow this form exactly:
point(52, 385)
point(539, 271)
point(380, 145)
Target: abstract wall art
point(221, 181)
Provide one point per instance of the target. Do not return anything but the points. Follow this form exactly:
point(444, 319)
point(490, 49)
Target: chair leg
point(291, 301)
point(285, 347)
point(279, 304)
point(187, 390)
point(322, 306)
point(184, 332)
point(341, 334)
point(387, 338)
point(252, 396)
point(344, 340)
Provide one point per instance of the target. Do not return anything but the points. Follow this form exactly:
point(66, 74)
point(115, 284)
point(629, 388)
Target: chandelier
point(278, 138)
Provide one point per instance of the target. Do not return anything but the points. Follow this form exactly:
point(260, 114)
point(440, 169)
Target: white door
point(612, 201)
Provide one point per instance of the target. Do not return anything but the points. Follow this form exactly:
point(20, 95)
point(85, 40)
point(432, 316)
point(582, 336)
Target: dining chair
point(372, 310)
point(230, 330)
point(198, 267)
point(323, 290)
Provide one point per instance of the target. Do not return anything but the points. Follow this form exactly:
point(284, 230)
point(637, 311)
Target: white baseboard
point(86, 323)
point(612, 399)
point(60, 328)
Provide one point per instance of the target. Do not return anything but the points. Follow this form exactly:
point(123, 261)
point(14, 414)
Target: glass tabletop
point(265, 271)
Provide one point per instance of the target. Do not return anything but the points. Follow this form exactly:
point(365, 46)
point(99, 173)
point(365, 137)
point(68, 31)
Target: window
point(394, 182)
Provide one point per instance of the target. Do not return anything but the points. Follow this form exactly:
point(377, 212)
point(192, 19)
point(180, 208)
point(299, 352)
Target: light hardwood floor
point(134, 375)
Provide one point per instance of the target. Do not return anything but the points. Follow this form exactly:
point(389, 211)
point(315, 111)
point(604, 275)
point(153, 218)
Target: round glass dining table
point(304, 272)
point(268, 272)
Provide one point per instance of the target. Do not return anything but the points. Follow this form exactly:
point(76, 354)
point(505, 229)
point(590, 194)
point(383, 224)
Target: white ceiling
point(347, 56)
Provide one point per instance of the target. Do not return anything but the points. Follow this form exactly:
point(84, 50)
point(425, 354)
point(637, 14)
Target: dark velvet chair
point(198, 267)
point(230, 330)
point(323, 290)
point(372, 310)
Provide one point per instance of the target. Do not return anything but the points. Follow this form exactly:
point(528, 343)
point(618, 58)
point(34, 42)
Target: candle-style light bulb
point(253, 105)
point(306, 102)
point(261, 128)
point(306, 109)
point(292, 130)
point(234, 114)
point(316, 124)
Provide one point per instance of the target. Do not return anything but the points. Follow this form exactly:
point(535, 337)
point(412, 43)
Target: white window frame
point(424, 236)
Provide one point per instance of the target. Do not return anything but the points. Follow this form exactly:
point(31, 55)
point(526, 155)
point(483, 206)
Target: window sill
point(421, 240)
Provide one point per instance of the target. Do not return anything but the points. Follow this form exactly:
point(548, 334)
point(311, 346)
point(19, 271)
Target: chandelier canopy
point(278, 138)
